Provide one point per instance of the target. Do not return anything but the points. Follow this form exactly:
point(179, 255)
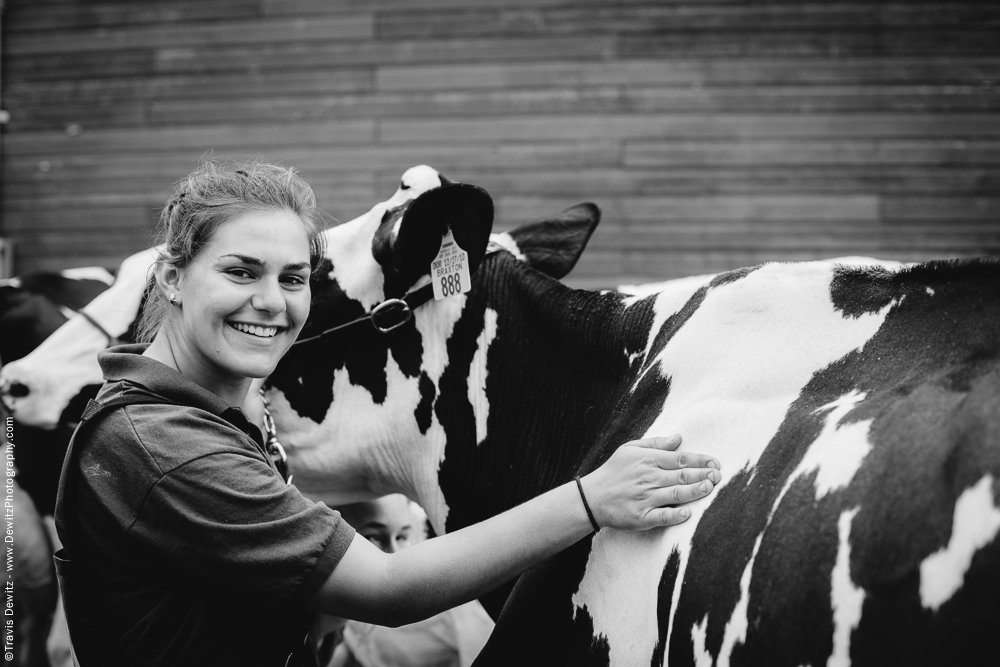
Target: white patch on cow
point(699, 633)
point(974, 525)
point(507, 242)
point(348, 246)
point(332, 461)
point(98, 273)
point(477, 375)
point(846, 599)
point(420, 178)
point(329, 460)
point(930, 291)
point(669, 301)
point(772, 330)
point(838, 451)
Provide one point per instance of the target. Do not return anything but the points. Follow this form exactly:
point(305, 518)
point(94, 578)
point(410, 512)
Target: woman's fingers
point(666, 516)
point(679, 460)
point(689, 476)
point(678, 494)
point(666, 443)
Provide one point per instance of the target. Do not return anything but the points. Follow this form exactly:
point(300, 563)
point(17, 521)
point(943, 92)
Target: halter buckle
point(391, 314)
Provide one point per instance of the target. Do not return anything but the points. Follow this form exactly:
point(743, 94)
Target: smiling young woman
point(184, 541)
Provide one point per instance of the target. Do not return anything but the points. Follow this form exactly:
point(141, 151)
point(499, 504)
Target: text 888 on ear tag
point(450, 270)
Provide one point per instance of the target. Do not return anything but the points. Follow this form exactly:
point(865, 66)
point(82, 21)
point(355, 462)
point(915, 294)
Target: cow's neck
point(540, 346)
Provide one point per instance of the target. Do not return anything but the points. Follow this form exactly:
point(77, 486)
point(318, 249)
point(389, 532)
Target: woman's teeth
point(263, 332)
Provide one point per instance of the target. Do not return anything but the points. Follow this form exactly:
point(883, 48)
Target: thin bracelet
point(586, 505)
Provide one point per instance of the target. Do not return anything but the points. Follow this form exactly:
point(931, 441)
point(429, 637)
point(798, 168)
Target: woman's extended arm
point(629, 492)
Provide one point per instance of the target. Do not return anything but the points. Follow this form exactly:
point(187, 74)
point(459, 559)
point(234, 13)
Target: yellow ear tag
point(450, 270)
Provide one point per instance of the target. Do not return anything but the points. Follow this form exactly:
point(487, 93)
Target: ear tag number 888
point(450, 269)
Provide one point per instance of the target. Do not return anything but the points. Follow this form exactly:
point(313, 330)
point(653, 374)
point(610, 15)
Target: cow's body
point(856, 412)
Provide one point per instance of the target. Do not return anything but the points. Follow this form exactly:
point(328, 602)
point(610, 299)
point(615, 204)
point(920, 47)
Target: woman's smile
point(256, 330)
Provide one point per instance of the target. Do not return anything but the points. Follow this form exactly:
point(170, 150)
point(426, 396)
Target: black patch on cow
point(664, 603)
point(793, 573)
point(25, 325)
point(464, 209)
point(538, 627)
point(423, 412)
point(382, 251)
point(732, 276)
point(305, 373)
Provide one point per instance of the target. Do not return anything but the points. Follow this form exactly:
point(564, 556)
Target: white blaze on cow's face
point(781, 343)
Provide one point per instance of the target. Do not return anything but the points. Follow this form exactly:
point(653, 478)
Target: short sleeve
point(217, 512)
point(229, 519)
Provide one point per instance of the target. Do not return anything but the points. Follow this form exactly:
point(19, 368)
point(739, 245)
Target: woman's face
point(244, 299)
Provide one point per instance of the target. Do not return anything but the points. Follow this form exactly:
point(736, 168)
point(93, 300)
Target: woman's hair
point(215, 193)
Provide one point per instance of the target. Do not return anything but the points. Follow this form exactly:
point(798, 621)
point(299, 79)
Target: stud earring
point(172, 299)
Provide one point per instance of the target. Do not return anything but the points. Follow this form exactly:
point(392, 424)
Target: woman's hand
point(633, 488)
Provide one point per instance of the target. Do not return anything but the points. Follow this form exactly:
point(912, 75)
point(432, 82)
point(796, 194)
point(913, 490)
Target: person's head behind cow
point(212, 195)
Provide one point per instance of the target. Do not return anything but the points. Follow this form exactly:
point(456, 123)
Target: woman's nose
point(269, 298)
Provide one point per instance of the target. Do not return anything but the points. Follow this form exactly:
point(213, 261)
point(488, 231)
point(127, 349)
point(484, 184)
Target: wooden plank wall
point(714, 134)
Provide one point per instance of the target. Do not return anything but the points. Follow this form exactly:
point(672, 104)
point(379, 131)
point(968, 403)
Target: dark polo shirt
point(201, 553)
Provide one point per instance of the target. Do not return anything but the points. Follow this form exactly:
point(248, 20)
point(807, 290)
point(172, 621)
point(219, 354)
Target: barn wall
point(714, 134)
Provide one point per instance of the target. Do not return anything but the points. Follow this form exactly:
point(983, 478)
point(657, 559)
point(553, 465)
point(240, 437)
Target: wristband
point(586, 505)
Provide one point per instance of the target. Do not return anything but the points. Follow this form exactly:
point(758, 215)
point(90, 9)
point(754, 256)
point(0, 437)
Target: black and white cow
point(856, 412)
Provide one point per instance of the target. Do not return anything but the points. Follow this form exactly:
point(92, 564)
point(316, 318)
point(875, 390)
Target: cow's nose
point(15, 390)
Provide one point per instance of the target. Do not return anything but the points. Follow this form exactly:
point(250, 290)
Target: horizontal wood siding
point(713, 134)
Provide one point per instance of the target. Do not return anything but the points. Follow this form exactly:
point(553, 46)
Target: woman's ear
point(167, 278)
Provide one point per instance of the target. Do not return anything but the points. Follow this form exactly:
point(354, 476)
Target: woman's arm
point(629, 492)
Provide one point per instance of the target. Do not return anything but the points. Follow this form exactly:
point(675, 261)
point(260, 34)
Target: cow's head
point(361, 411)
point(49, 386)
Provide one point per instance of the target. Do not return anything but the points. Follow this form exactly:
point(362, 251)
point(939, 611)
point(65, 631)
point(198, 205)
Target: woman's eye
point(295, 280)
point(240, 273)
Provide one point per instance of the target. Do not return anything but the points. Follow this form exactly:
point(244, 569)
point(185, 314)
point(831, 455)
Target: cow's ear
point(465, 209)
point(553, 245)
